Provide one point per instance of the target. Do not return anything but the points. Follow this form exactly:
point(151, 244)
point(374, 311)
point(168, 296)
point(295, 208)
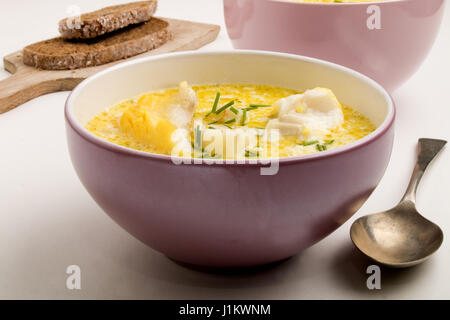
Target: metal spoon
point(401, 237)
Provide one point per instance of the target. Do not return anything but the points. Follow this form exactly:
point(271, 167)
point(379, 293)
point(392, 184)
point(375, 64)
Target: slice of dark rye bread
point(60, 54)
point(97, 23)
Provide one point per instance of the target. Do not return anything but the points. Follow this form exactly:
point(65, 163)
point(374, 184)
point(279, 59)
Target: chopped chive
point(216, 102)
point(308, 143)
point(260, 106)
point(210, 156)
point(211, 127)
point(195, 148)
point(323, 147)
point(197, 138)
point(256, 106)
point(214, 122)
point(228, 126)
point(230, 121)
point(250, 154)
point(319, 147)
point(229, 104)
point(234, 110)
point(244, 117)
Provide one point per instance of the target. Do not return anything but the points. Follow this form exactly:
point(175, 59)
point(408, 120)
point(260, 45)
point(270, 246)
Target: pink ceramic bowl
point(228, 215)
point(344, 33)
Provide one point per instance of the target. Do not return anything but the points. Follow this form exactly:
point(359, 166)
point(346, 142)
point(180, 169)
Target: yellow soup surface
point(144, 124)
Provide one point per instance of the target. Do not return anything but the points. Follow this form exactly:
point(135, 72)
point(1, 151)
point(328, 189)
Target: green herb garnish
point(229, 104)
point(214, 122)
point(244, 117)
point(234, 110)
point(197, 145)
point(308, 143)
point(323, 146)
point(216, 102)
point(250, 154)
point(196, 149)
point(230, 121)
point(210, 156)
point(256, 106)
point(211, 127)
point(260, 106)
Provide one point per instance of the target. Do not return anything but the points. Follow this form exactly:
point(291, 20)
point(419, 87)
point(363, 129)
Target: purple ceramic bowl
point(228, 215)
point(344, 33)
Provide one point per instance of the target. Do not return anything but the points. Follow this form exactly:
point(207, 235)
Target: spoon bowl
point(401, 237)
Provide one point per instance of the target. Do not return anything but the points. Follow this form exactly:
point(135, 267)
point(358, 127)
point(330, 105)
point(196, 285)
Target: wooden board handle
point(24, 86)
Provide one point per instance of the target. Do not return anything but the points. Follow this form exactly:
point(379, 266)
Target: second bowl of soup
point(386, 40)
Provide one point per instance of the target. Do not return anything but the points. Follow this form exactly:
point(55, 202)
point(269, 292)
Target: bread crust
point(60, 54)
point(109, 19)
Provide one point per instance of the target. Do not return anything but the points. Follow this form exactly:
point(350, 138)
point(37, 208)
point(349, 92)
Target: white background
point(48, 221)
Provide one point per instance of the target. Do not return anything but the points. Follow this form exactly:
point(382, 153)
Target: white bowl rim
point(373, 136)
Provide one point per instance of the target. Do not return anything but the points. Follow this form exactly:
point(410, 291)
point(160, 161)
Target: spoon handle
point(427, 150)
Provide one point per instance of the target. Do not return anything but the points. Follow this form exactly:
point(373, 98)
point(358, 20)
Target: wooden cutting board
point(27, 83)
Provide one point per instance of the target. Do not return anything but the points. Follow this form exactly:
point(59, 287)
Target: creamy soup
point(231, 121)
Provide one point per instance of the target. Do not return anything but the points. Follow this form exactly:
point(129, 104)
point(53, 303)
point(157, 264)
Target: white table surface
point(48, 221)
